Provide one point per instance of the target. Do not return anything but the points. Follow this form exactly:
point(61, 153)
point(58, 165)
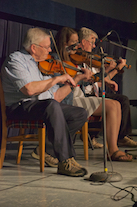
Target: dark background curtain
point(13, 30)
point(12, 34)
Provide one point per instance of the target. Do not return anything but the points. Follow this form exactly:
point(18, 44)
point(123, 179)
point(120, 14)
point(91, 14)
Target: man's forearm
point(37, 87)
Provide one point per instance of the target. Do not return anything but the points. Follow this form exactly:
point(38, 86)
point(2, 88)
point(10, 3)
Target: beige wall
point(130, 79)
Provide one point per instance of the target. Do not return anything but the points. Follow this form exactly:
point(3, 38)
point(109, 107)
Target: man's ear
point(83, 42)
point(32, 47)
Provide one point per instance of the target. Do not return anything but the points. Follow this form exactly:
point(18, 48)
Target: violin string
point(71, 67)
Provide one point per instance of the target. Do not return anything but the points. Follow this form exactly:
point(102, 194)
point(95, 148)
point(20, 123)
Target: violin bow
point(57, 51)
point(60, 59)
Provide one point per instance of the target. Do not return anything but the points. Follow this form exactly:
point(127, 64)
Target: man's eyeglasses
point(91, 43)
point(43, 46)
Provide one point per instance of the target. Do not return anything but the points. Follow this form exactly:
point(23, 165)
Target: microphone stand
point(104, 176)
point(114, 43)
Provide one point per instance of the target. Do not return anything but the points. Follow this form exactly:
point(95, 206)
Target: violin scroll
point(120, 71)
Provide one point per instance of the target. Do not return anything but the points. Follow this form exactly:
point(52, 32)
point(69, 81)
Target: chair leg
point(85, 139)
point(41, 136)
point(3, 151)
point(20, 146)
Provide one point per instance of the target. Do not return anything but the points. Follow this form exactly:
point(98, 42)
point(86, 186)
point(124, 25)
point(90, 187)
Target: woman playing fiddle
point(92, 104)
point(87, 38)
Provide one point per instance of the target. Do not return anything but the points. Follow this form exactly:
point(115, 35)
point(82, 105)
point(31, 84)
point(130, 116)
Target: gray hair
point(34, 35)
point(85, 33)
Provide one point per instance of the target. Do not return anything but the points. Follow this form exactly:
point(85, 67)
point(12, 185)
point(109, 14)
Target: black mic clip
point(71, 47)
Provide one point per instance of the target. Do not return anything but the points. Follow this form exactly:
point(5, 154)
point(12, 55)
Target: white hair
point(85, 33)
point(34, 35)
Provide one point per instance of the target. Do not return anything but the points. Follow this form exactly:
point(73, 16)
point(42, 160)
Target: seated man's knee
point(79, 112)
point(54, 103)
point(84, 114)
point(53, 107)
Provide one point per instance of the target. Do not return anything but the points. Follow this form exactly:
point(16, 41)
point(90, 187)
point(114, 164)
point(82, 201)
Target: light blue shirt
point(18, 70)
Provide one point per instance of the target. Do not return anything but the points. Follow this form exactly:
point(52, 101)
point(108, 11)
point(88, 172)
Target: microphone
point(114, 43)
point(71, 47)
point(104, 38)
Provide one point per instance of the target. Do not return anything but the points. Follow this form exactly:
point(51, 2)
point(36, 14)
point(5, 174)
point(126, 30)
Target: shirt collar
point(28, 56)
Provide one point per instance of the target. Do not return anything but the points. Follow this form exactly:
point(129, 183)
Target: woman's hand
point(122, 63)
point(111, 66)
point(111, 84)
point(87, 74)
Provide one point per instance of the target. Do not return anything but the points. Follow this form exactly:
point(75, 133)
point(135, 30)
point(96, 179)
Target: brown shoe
point(68, 167)
point(49, 160)
point(127, 142)
point(95, 144)
point(78, 165)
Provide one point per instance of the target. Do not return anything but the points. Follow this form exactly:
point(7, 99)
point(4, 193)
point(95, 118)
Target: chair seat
point(94, 122)
point(25, 124)
point(94, 119)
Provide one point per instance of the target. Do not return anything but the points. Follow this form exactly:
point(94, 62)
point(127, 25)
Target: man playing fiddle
point(30, 95)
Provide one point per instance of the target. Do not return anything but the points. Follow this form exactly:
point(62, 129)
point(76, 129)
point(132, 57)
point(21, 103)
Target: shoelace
point(129, 137)
point(75, 163)
point(71, 163)
point(51, 158)
point(68, 164)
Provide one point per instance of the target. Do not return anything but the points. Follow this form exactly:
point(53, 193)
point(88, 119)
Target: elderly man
point(30, 95)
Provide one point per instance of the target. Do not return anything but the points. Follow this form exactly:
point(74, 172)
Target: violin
point(93, 60)
point(96, 61)
point(51, 66)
